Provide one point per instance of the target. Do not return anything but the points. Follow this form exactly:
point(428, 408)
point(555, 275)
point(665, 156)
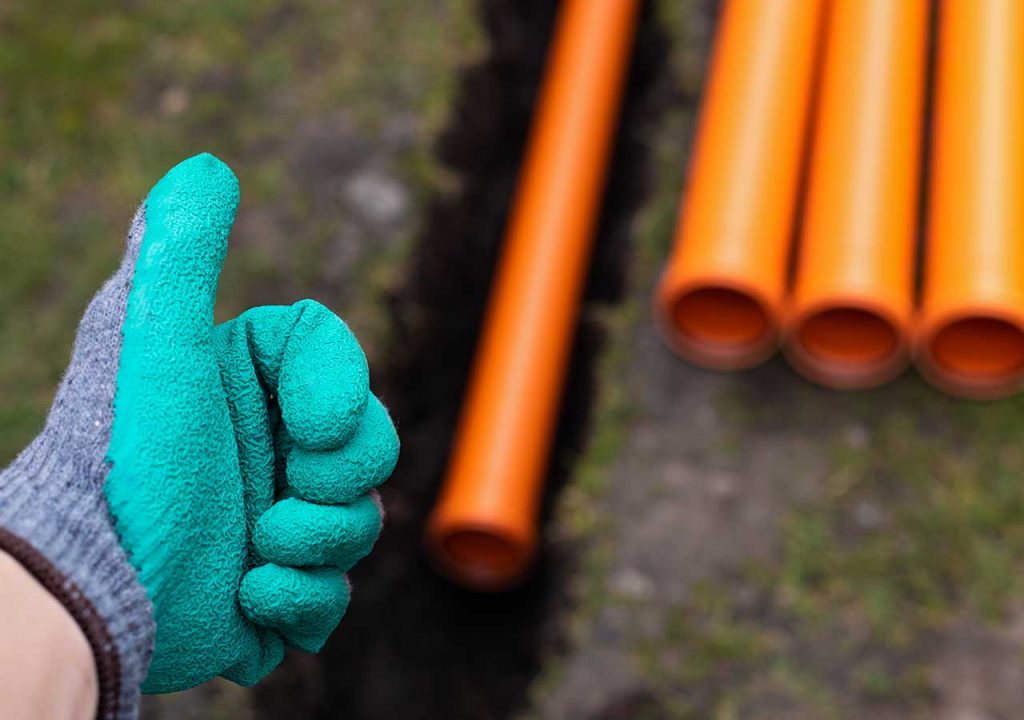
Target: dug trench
point(413, 645)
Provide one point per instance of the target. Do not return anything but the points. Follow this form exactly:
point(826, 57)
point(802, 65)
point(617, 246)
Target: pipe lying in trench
point(483, 532)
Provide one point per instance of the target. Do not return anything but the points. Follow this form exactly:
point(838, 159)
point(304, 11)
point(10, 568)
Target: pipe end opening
point(849, 337)
point(847, 348)
point(722, 326)
point(980, 349)
point(483, 558)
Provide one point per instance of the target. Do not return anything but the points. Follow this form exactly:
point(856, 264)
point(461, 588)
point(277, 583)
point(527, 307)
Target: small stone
point(868, 515)
point(378, 197)
point(675, 473)
point(856, 436)
point(174, 101)
point(632, 584)
point(722, 486)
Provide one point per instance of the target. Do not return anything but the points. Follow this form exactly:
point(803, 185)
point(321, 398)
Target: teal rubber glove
point(199, 491)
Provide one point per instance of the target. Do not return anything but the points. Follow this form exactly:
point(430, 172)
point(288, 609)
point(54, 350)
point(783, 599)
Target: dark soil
point(413, 646)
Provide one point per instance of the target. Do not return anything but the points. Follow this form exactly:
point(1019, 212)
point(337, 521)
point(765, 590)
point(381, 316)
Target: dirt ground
point(716, 546)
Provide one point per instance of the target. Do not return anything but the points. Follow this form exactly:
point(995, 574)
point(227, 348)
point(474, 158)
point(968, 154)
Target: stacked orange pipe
point(720, 299)
point(483, 531)
point(851, 313)
point(971, 330)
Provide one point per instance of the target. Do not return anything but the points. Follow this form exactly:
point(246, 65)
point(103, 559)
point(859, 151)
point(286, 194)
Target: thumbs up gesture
point(198, 492)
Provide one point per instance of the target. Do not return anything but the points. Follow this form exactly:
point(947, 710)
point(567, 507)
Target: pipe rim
point(741, 329)
point(958, 353)
point(848, 344)
point(481, 556)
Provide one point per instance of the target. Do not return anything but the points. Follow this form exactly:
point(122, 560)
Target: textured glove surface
point(234, 461)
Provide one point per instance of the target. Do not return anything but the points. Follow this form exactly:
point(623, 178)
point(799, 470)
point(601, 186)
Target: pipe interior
point(721, 316)
point(848, 336)
point(983, 348)
point(482, 554)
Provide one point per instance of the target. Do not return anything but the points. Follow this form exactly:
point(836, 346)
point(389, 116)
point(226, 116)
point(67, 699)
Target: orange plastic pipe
point(971, 331)
point(483, 531)
point(850, 320)
point(719, 300)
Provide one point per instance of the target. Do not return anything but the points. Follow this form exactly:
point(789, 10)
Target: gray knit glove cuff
point(54, 518)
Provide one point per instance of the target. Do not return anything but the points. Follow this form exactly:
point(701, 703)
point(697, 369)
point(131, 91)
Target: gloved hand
point(198, 492)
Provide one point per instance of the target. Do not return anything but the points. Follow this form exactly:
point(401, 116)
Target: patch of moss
point(703, 648)
point(927, 522)
point(919, 520)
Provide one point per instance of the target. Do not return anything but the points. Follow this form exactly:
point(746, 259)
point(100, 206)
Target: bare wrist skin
point(47, 670)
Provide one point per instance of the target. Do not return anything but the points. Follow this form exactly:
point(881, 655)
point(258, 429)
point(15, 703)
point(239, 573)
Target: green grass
point(98, 99)
point(944, 479)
